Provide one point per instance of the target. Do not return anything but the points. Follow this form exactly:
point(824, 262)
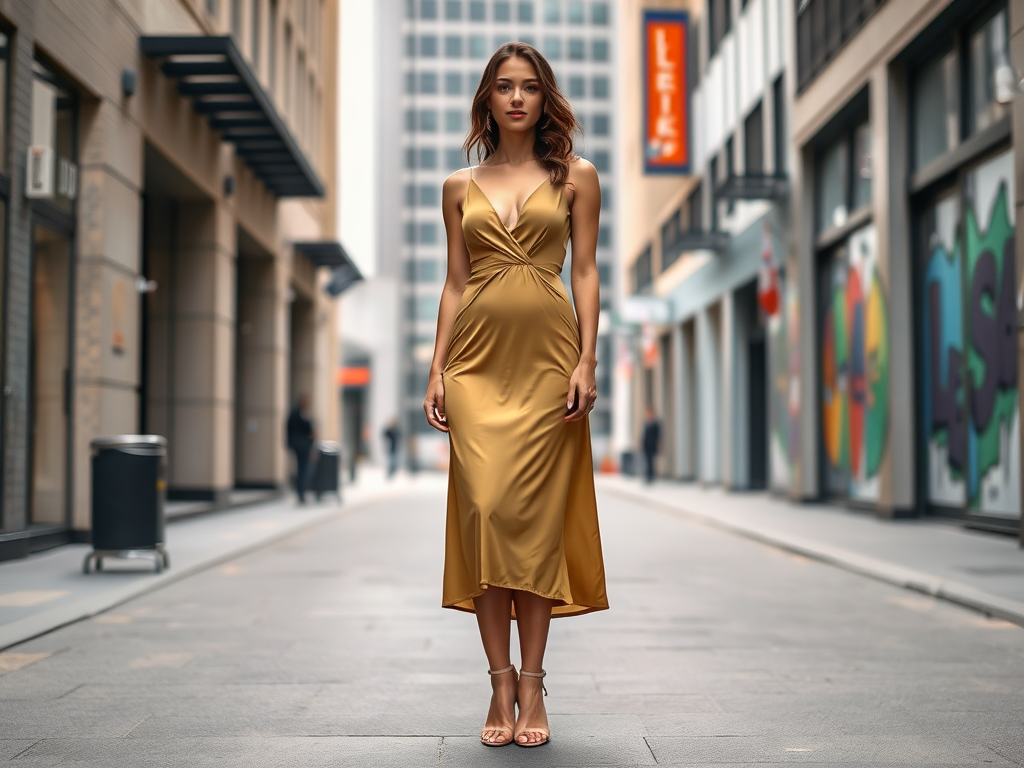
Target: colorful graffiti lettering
point(855, 370)
point(971, 421)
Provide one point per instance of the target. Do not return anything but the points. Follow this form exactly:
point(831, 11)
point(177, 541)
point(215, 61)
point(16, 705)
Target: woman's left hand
point(582, 391)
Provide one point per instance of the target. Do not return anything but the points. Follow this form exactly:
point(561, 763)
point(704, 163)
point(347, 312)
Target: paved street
point(328, 648)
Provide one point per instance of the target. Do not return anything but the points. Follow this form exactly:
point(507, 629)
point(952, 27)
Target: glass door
point(51, 338)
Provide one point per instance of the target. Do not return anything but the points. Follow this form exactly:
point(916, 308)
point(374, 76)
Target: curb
point(44, 622)
point(956, 592)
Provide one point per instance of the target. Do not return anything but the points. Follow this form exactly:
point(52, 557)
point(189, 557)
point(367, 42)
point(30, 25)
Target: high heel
point(545, 730)
point(500, 728)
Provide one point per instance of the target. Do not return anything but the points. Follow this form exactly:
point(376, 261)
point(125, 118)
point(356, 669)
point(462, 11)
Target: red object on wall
point(768, 279)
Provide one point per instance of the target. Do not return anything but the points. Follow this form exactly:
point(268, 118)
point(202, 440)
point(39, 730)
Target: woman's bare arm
point(586, 284)
point(452, 194)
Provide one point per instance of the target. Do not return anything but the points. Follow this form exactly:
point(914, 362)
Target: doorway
point(50, 374)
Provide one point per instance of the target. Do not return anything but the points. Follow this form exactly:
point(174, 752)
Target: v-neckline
point(522, 208)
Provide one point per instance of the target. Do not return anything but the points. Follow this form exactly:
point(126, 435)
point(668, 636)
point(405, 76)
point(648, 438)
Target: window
point(529, 40)
point(604, 237)
point(428, 82)
point(410, 120)
point(254, 34)
point(421, 308)
point(936, 107)
point(272, 46)
point(843, 176)
point(453, 46)
point(552, 11)
point(502, 10)
point(577, 51)
point(713, 187)
point(410, 9)
point(601, 88)
point(780, 134)
point(599, 14)
point(453, 120)
point(499, 40)
point(601, 160)
point(236, 21)
point(428, 9)
point(525, 14)
point(730, 167)
point(576, 86)
point(453, 159)
point(453, 83)
point(601, 124)
point(410, 157)
point(988, 49)
point(553, 48)
point(427, 157)
point(753, 142)
point(477, 10)
point(410, 46)
point(428, 46)
point(427, 234)
point(599, 50)
point(427, 196)
point(409, 232)
point(478, 46)
point(575, 11)
point(642, 272)
point(719, 23)
point(823, 27)
point(428, 120)
point(453, 10)
point(606, 199)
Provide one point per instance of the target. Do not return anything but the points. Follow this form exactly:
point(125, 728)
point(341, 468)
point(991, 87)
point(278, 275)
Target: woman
point(512, 382)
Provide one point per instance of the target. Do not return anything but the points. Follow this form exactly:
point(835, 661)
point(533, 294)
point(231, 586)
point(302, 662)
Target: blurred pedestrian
point(391, 438)
point(652, 442)
point(300, 442)
point(512, 382)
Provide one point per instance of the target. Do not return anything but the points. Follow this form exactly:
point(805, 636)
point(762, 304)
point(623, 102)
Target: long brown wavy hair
point(555, 129)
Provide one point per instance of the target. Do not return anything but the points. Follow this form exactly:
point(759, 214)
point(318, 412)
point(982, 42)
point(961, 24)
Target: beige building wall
point(197, 233)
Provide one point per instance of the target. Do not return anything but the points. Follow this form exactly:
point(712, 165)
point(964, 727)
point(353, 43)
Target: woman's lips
point(516, 115)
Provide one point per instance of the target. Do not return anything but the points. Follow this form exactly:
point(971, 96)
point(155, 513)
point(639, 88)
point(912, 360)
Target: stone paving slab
point(979, 570)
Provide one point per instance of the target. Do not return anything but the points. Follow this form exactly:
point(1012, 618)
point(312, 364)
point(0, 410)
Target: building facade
point(888, 372)
point(166, 175)
point(434, 52)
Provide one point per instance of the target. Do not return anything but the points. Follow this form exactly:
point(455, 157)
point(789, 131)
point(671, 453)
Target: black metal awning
point(330, 253)
point(759, 186)
point(212, 72)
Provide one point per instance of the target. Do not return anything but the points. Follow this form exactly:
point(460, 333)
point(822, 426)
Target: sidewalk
point(48, 590)
point(979, 570)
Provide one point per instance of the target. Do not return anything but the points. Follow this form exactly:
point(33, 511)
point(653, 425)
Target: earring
point(488, 120)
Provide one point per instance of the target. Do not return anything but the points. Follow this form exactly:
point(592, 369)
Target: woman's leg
point(494, 617)
point(533, 614)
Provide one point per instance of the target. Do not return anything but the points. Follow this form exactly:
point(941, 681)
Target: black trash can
point(129, 481)
point(326, 469)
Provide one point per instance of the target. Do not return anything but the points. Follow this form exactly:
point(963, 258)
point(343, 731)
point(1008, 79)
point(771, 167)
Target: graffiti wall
point(854, 369)
point(970, 416)
point(784, 377)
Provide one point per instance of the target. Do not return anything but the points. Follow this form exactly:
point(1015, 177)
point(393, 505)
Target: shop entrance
point(757, 387)
point(51, 373)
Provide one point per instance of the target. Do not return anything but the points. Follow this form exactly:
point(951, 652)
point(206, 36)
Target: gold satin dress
point(521, 507)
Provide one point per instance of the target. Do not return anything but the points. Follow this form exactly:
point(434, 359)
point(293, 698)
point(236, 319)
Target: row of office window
point(430, 83)
point(553, 11)
point(476, 47)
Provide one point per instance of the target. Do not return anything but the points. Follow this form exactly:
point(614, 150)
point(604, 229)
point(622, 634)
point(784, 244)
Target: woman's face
point(516, 101)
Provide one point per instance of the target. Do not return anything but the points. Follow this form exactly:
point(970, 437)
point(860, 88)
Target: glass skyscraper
point(444, 47)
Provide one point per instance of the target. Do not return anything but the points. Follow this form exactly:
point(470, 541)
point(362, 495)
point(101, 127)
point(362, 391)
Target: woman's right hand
point(433, 404)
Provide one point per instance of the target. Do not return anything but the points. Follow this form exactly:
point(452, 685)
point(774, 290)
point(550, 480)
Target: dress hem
point(458, 604)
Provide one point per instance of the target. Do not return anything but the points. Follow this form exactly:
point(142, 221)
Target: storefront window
point(988, 49)
point(53, 167)
point(832, 210)
point(936, 108)
point(843, 175)
point(861, 188)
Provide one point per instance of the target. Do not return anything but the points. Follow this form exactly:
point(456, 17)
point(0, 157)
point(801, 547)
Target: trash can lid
point(125, 441)
point(329, 446)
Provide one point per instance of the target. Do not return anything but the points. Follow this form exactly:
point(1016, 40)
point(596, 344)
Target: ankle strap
point(542, 673)
point(501, 671)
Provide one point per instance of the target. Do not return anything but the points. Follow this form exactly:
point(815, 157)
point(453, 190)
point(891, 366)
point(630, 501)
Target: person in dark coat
point(391, 436)
point(652, 441)
point(300, 442)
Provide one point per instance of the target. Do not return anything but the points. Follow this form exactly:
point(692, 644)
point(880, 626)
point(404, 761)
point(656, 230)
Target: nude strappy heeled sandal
point(510, 729)
point(542, 674)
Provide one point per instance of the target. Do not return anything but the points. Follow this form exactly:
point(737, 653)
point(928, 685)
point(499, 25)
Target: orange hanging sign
point(666, 93)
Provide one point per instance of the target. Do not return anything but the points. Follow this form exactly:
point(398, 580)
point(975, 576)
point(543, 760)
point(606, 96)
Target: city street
point(328, 648)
